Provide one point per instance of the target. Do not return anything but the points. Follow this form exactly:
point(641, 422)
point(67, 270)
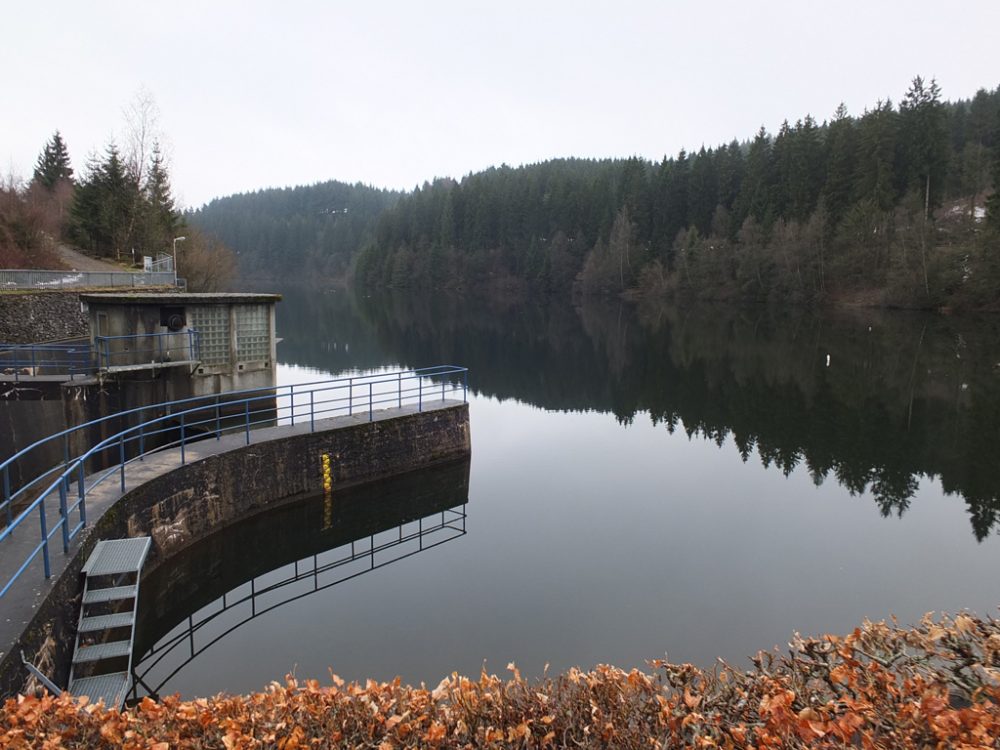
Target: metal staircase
point(102, 656)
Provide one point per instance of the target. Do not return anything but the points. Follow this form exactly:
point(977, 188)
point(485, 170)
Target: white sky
point(267, 94)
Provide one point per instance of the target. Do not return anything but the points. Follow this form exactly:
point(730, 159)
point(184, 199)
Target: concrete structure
point(225, 341)
point(150, 348)
point(222, 482)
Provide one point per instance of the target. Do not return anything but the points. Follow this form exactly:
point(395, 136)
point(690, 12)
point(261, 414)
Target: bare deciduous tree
point(205, 262)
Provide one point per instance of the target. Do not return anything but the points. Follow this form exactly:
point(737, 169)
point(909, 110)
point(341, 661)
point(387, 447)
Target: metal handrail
point(72, 357)
point(377, 390)
point(106, 352)
point(159, 353)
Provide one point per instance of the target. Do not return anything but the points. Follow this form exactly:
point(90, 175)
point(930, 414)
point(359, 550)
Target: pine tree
point(702, 191)
point(103, 204)
point(635, 195)
point(730, 174)
point(161, 217)
point(675, 206)
point(780, 168)
point(754, 197)
point(874, 180)
point(924, 140)
point(806, 176)
point(53, 163)
point(973, 162)
point(993, 202)
point(841, 140)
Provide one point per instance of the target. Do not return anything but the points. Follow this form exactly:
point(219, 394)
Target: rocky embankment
point(34, 317)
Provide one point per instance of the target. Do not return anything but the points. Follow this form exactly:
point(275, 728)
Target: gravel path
point(80, 262)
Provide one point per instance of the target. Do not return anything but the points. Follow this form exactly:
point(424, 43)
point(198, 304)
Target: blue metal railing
point(58, 358)
point(151, 348)
point(79, 357)
point(186, 421)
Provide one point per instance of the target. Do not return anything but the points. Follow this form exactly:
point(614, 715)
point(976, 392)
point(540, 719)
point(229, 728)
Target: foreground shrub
point(933, 685)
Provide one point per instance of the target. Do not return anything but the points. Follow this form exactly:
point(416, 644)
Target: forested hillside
point(121, 208)
point(889, 207)
point(295, 231)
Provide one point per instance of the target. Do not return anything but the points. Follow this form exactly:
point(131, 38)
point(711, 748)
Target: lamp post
point(176, 240)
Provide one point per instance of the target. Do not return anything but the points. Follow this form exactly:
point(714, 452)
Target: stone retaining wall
point(35, 317)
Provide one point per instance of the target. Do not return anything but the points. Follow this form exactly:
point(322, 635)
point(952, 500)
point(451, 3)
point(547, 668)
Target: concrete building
point(221, 342)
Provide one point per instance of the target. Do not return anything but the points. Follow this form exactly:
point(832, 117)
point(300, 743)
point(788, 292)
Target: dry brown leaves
point(935, 685)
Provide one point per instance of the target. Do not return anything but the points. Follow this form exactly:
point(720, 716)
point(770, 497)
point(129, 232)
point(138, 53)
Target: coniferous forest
point(303, 230)
point(893, 206)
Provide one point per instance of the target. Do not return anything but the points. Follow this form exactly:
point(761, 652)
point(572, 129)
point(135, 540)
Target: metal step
point(93, 596)
point(114, 593)
point(105, 622)
point(112, 688)
point(117, 556)
point(116, 559)
point(102, 651)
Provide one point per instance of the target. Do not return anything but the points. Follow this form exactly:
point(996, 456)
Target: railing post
point(142, 439)
point(399, 388)
point(64, 514)
point(465, 386)
point(370, 408)
point(420, 398)
point(182, 438)
point(81, 489)
point(121, 458)
point(247, 404)
point(45, 538)
point(350, 396)
point(6, 493)
point(291, 398)
point(312, 412)
point(443, 383)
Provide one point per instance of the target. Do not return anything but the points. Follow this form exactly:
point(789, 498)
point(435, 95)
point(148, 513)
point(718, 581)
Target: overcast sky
point(267, 94)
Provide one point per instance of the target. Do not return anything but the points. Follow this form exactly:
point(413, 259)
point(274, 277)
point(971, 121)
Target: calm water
point(699, 483)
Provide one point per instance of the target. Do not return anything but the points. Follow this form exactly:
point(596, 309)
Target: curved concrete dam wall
point(187, 503)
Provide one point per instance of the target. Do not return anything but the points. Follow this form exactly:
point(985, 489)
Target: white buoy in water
point(827, 360)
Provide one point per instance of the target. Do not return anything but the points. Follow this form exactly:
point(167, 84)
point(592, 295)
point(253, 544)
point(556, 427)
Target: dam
point(178, 471)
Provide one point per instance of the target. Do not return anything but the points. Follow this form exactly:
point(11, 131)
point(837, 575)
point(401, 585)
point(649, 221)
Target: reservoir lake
point(692, 482)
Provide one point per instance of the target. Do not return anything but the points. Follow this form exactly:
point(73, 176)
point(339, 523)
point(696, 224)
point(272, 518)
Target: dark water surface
point(698, 482)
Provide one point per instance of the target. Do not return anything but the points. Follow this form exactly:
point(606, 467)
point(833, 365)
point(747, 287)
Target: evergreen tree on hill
point(103, 204)
point(53, 163)
point(161, 220)
point(993, 202)
point(755, 194)
point(874, 182)
point(841, 140)
point(924, 141)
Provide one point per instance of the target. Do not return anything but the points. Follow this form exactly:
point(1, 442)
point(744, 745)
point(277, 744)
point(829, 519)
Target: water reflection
point(271, 560)
point(874, 400)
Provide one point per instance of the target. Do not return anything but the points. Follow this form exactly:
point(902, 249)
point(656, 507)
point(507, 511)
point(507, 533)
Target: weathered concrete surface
point(221, 482)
